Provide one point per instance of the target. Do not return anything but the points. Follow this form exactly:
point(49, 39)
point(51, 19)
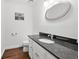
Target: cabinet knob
point(36, 54)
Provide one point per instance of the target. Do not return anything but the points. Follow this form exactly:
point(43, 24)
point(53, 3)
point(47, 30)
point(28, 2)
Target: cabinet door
point(38, 55)
point(43, 56)
point(30, 49)
point(39, 52)
point(31, 52)
point(50, 56)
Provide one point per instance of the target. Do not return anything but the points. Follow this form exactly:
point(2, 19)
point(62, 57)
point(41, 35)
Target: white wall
point(66, 26)
point(9, 25)
point(2, 29)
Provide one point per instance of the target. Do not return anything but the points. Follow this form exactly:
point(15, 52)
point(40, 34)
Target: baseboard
point(2, 52)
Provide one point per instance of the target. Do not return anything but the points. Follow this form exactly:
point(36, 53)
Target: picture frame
point(19, 16)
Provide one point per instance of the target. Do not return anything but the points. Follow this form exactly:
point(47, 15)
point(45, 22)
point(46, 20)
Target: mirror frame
point(61, 15)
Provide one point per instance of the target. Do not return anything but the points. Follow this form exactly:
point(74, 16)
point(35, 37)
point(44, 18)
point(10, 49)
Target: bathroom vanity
point(57, 50)
point(37, 52)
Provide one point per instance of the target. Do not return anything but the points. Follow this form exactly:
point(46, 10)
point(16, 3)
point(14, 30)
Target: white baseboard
point(2, 52)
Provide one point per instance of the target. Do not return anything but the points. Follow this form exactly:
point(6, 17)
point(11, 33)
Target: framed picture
point(19, 16)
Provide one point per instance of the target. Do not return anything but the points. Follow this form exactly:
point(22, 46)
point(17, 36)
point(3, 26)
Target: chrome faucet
point(51, 36)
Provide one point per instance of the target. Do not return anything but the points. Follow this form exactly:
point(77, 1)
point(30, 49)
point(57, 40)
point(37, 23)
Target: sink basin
point(46, 41)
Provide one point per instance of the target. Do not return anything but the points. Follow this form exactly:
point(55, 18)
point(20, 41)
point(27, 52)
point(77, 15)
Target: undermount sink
point(46, 41)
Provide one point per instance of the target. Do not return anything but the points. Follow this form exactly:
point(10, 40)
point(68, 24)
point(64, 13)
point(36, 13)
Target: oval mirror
point(57, 10)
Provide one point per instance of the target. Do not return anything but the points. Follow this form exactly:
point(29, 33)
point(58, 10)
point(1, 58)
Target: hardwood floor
point(15, 53)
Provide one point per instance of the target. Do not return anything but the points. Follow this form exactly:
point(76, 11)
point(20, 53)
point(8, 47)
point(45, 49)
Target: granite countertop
point(60, 49)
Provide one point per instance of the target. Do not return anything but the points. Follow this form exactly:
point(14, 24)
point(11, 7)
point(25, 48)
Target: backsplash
point(66, 39)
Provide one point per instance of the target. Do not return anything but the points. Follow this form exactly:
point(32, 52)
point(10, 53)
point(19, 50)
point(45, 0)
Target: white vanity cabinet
point(38, 52)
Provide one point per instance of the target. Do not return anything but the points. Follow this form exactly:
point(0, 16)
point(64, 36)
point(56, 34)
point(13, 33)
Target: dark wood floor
point(15, 53)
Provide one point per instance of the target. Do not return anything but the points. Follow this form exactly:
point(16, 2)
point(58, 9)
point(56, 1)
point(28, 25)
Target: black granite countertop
point(60, 49)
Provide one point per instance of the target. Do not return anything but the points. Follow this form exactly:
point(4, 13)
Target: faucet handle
point(48, 35)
